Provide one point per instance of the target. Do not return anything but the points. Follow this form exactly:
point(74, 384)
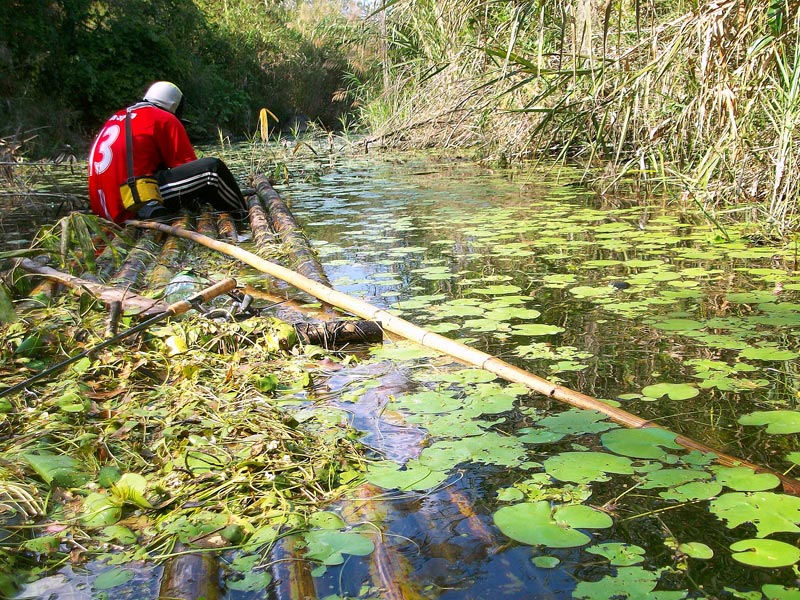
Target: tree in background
point(65, 65)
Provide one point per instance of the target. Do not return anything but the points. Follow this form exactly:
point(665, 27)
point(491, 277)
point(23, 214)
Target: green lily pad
point(325, 520)
point(665, 478)
point(58, 469)
point(694, 490)
point(414, 476)
point(496, 290)
point(778, 592)
point(536, 523)
point(777, 421)
point(696, 550)
point(583, 467)
point(649, 442)
point(429, 401)
point(744, 479)
point(768, 512)
point(768, 353)
point(535, 329)
point(489, 448)
point(583, 291)
point(252, 581)
point(329, 547)
point(576, 421)
point(546, 562)
point(619, 554)
point(770, 554)
point(679, 325)
point(675, 391)
point(627, 583)
point(112, 578)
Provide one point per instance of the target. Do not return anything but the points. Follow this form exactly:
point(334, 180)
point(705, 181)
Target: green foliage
point(101, 55)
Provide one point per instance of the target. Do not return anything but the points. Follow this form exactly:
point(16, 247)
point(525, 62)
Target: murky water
point(628, 304)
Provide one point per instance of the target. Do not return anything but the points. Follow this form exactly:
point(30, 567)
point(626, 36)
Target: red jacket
point(159, 142)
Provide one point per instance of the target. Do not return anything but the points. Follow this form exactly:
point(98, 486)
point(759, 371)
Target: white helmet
point(165, 95)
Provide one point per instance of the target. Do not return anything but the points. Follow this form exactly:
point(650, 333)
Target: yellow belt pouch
point(139, 191)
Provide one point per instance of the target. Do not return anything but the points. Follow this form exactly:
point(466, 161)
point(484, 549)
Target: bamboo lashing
point(471, 356)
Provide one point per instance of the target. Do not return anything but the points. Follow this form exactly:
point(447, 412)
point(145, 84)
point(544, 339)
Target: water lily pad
point(778, 592)
point(768, 353)
point(744, 479)
point(496, 290)
point(325, 519)
point(489, 448)
point(583, 467)
point(619, 554)
point(58, 469)
point(112, 578)
point(679, 325)
point(627, 583)
point(673, 478)
point(777, 421)
point(429, 401)
point(770, 554)
point(650, 442)
point(535, 329)
point(539, 435)
point(696, 550)
point(577, 421)
point(675, 391)
point(328, 546)
point(694, 490)
point(546, 562)
point(537, 523)
point(513, 312)
point(768, 512)
point(249, 581)
point(414, 476)
point(584, 291)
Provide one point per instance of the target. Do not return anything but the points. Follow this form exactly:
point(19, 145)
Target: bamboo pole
point(259, 224)
point(108, 294)
point(137, 262)
point(464, 353)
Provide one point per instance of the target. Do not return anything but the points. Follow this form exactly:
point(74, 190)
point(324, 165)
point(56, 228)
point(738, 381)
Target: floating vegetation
point(182, 436)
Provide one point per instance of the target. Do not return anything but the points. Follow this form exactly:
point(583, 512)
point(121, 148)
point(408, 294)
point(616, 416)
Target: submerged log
point(334, 335)
point(108, 294)
point(390, 570)
point(292, 575)
point(190, 576)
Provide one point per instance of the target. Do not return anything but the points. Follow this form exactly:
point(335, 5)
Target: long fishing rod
point(174, 309)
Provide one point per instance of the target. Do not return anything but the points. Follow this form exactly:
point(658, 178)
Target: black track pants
point(205, 180)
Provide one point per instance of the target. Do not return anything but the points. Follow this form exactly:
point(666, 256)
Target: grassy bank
point(702, 98)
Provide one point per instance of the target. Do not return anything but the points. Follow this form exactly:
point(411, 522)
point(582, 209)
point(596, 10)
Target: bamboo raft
point(191, 575)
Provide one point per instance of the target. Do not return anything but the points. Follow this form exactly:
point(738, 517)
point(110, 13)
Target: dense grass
point(700, 97)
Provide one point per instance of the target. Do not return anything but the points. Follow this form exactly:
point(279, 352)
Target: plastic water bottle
point(180, 287)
